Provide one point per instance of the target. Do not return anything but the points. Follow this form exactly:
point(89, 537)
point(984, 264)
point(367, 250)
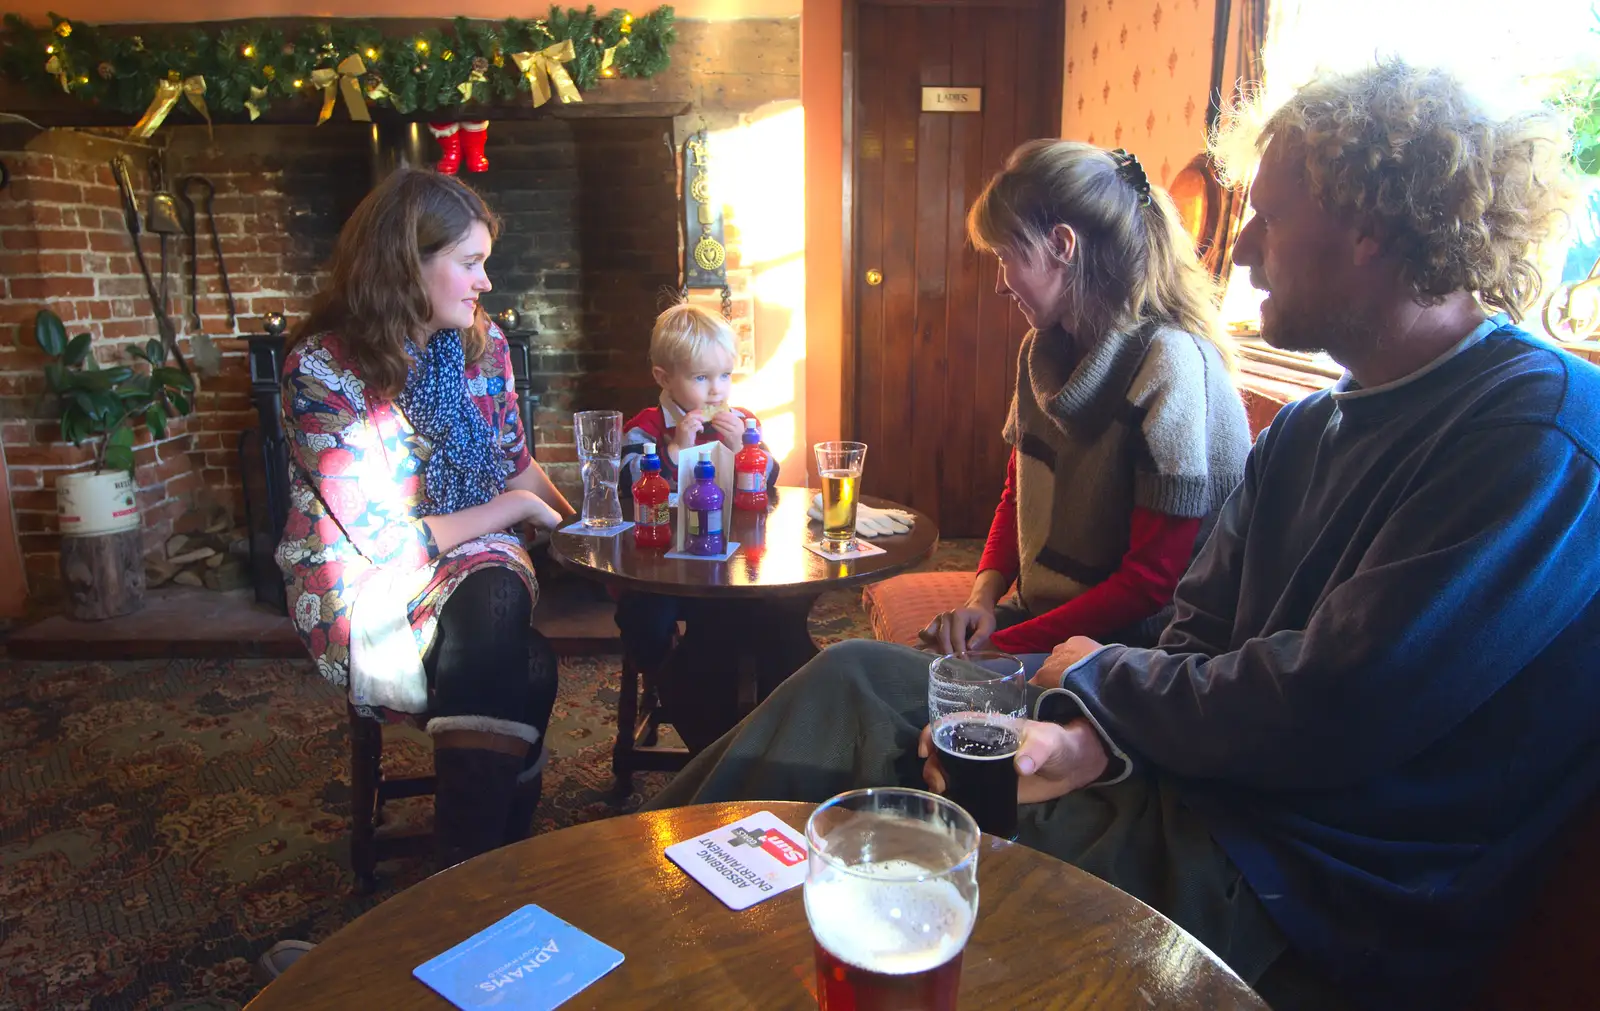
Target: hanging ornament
point(106, 71)
point(64, 29)
point(375, 89)
point(449, 137)
point(166, 96)
point(547, 63)
point(194, 89)
point(474, 132)
point(347, 78)
point(253, 103)
point(476, 77)
point(288, 49)
point(56, 68)
point(269, 72)
point(705, 261)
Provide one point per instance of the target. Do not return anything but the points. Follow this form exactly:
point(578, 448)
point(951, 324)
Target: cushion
point(901, 607)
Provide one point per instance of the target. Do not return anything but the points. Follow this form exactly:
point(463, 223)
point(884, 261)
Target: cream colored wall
point(1136, 75)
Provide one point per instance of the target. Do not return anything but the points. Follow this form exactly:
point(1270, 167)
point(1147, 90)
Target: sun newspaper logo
point(783, 849)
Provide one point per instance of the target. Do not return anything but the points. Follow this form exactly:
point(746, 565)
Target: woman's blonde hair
point(1462, 199)
point(374, 299)
point(1134, 262)
point(684, 332)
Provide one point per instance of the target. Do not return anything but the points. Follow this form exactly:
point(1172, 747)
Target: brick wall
point(65, 247)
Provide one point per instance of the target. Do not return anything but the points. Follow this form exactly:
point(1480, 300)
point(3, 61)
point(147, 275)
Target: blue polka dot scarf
point(464, 469)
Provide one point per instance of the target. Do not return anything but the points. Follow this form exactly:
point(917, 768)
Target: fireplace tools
point(130, 217)
point(205, 353)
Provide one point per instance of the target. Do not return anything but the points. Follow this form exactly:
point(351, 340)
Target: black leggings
point(486, 658)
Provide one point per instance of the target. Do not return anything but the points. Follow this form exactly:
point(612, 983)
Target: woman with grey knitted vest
point(1126, 431)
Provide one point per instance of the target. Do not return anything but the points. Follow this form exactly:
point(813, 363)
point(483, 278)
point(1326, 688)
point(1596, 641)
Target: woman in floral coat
point(409, 472)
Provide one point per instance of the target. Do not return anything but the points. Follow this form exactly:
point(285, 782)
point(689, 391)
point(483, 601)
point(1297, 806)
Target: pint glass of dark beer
point(891, 894)
point(976, 704)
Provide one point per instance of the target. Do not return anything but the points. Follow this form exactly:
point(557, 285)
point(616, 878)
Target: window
point(1510, 54)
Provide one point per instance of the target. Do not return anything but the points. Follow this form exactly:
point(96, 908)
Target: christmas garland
point(243, 68)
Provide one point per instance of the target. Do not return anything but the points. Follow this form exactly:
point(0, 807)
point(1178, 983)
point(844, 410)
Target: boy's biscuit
point(710, 411)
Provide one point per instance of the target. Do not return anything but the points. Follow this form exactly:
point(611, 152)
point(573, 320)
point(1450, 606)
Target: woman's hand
point(689, 428)
point(532, 509)
point(729, 426)
point(961, 629)
point(1052, 760)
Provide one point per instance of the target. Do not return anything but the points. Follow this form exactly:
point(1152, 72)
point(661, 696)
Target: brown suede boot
point(472, 800)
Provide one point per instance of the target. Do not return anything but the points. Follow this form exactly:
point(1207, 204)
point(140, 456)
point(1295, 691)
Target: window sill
point(1269, 379)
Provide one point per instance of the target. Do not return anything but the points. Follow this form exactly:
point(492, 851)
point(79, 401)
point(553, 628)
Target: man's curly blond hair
point(1462, 199)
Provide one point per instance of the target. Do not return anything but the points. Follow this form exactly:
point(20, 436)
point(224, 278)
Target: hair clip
point(1131, 172)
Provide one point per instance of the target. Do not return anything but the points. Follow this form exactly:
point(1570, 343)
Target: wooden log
point(103, 574)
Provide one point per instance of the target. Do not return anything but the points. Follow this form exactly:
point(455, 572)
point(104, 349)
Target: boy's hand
point(729, 426)
point(689, 430)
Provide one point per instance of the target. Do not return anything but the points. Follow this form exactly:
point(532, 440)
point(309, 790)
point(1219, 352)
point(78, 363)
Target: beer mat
point(861, 550)
point(583, 531)
point(732, 547)
point(531, 959)
point(746, 862)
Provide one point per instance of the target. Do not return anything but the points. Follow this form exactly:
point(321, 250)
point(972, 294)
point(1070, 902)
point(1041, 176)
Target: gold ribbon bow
point(253, 103)
point(166, 97)
point(465, 87)
point(54, 66)
point(548, 63)
point(194, 89)
point(348, 77)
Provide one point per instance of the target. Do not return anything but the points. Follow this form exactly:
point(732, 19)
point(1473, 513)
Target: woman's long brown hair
point(375, 297)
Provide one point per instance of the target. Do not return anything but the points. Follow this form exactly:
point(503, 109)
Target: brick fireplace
point(589, 246)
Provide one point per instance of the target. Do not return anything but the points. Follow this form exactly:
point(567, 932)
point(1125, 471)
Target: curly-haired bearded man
point(1376, 702)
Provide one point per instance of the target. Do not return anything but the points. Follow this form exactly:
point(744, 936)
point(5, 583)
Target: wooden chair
point(369, 789)
point(639, 718)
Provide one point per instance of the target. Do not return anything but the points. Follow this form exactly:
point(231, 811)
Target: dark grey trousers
point(851, 717)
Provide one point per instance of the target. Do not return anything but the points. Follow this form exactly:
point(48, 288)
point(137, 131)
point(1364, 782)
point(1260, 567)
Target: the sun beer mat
point(746, 862)
point(861, 550)
point(529, 960)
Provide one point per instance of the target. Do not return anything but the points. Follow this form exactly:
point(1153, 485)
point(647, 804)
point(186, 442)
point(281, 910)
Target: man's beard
point(1321, 331)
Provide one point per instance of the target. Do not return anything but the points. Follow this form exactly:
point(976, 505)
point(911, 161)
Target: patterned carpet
point(164, 822)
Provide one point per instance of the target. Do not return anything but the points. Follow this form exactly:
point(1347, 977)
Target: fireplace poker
point(130, 215)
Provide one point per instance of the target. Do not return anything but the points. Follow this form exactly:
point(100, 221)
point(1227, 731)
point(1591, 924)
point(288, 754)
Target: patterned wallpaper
point(1136, 75)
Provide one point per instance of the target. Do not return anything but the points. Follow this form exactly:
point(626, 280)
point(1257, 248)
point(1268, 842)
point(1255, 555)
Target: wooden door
point(933, 356)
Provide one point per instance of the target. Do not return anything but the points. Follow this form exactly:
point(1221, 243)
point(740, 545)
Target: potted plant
point(101, 565)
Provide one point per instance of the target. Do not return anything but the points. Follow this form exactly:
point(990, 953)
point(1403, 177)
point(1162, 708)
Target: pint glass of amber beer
point(840, 464)
point(891, 894)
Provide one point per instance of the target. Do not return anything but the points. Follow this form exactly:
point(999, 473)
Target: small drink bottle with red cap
point(652, 522)
point(750, 471)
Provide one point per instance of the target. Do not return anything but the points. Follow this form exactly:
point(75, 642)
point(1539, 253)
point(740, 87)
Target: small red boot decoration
point(473, 134)
point(449, 137)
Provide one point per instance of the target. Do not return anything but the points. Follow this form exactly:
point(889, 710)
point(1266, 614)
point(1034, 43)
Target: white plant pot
point(89, 503)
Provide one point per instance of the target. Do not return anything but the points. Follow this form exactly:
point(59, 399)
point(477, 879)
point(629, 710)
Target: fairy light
point(248, 52)
point(298, 84)
point(422, 45)
point(372, 54)
point(50, 50)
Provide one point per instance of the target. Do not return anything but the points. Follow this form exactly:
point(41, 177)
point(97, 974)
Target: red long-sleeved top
point(1159, 547)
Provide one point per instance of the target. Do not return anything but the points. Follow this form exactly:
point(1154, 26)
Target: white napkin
point(870, 522)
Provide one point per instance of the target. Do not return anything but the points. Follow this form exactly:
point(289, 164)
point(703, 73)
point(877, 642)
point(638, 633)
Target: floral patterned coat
point(356, 498)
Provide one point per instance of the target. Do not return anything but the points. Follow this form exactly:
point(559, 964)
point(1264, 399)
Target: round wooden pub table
point(1048, 935)
point(746, 630)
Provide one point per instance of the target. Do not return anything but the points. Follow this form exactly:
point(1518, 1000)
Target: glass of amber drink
point(891, 894)
point(840, 465)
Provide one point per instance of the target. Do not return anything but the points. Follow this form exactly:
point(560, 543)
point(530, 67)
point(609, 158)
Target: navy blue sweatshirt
point(1381, 688)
